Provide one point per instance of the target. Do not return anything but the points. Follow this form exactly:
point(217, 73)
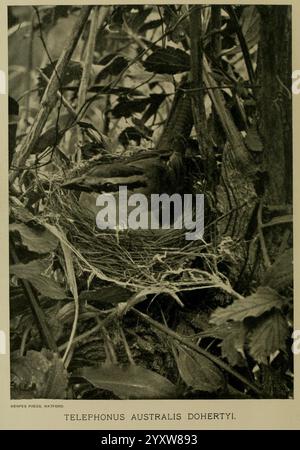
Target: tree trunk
point(274, 102)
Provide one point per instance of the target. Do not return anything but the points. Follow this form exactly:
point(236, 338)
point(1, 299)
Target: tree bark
point(275, 102)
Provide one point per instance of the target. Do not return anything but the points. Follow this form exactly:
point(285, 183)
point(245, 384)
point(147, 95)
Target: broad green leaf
point(32, 272)
point(131, 382)
point(197, 371)
point(167, 60)
point(268, 336)
point(31, 269)
point(22, 214)
point(48, 287)
point(280, 274)
point(39, 241)
point(233, 336)
point(233, 345)
point(264, 299)
point(113, 66)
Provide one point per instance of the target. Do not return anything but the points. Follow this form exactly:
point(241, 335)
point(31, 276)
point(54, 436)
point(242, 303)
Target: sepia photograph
point(150, 202)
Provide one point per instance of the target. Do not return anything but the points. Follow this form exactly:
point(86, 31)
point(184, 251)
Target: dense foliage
point(127, 314)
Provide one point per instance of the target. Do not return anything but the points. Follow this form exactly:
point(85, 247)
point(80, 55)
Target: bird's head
point(147, 173)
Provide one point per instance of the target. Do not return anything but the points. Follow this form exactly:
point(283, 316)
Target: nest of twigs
point(150, 261)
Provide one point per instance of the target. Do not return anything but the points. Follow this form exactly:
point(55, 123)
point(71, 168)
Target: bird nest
point(148, 261)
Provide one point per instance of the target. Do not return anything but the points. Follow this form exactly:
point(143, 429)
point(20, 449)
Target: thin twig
point(24, 339)
point(65, 102)
point(93, 330)
point(108, 344)
point(29, 69)
point(69, 107)
point(126, 346)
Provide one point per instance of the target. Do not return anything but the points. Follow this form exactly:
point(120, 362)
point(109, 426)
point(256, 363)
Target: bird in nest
point(158, 171)
point(147, 172)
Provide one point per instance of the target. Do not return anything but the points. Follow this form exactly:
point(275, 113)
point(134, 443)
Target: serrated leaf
point(264, 299)
point(233, 345)
point(114, 66)
point(197, 371)
point(167, 60)
point(32, 272)
point(39, 241)
point(233, 335)
point(39, 375)
point(280, 274)
point(131, 382)
point(268, 336)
